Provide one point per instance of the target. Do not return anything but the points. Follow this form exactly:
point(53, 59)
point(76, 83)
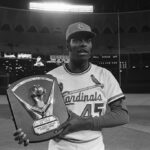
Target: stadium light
point(60, 7)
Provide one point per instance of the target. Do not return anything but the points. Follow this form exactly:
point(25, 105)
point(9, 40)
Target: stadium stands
point(122, 45)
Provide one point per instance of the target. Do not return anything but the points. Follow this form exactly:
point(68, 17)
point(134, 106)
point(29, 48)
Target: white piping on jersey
point(77, 73)
point(121, 95)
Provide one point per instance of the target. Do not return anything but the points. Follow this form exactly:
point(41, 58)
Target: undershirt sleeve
point(118, 115)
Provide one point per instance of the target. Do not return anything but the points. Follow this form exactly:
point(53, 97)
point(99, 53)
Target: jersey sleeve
point(112, 89)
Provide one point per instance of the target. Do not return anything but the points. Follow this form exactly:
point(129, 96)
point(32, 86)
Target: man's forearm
point(117, 116)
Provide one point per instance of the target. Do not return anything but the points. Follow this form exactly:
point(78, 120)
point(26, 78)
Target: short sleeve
point(112, 89)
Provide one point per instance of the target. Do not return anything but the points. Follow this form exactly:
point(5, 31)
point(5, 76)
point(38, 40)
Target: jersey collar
point(68, 71)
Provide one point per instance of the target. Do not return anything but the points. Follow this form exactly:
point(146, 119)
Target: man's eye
point(80, 40)
point(88, 40)
point(76, 40)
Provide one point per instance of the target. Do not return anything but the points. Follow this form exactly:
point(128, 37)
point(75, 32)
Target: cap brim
point(82, 33)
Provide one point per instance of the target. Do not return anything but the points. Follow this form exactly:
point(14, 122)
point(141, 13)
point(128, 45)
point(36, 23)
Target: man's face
point(80, 48)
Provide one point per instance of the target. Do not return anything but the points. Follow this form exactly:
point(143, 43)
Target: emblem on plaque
point(37, 106)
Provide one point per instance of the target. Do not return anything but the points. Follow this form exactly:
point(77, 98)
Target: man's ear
point(68, 46)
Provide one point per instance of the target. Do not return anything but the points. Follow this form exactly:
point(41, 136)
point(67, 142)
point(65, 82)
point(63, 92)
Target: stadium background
point(122, 46)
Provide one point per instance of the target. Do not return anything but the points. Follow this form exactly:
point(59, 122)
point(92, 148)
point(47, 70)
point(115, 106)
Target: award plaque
point(37, 106)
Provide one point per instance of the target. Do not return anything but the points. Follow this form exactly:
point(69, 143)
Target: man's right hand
point(21, 137)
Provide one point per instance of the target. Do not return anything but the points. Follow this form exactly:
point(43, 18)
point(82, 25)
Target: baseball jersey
point(86, 94)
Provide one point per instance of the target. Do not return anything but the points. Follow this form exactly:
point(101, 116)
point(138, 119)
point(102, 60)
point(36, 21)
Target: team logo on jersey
point(96, 81)
point(87, 94)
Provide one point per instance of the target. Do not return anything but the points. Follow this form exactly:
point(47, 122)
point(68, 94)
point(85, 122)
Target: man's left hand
point(75, 123)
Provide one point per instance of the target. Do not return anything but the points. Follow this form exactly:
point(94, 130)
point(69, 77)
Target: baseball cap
point(79, 27)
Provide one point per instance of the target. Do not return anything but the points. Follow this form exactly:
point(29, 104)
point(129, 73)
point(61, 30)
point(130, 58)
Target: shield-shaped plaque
point(37, 106)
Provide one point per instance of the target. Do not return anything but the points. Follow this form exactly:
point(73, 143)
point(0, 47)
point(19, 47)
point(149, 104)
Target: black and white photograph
point(74, 75)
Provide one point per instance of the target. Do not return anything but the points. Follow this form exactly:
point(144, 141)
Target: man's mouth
point(83, 52)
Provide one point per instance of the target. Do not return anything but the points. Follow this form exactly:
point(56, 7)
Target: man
point(88, 91)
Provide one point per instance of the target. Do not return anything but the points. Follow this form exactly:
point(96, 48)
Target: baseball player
point(91, 93)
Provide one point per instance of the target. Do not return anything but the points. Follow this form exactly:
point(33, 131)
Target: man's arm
point(118, 115)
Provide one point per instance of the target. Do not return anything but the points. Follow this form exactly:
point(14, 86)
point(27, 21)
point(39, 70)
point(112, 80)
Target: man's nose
point(83, 42)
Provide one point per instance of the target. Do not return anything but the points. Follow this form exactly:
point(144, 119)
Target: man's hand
point(21, 137)
point(76, 123)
